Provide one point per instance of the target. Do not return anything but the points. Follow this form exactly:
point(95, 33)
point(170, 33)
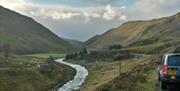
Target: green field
point(47, 55)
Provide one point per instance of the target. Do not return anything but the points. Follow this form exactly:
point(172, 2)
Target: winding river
point(78, 80)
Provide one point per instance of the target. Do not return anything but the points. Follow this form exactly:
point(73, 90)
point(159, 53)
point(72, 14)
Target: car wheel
point(159, 79)
point(163, 85)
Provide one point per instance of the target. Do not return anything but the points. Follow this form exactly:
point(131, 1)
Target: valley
point(124, 58)
point(28, 51)
point(139, 54)
point(23, 73)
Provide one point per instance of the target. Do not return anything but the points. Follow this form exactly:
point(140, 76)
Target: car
point(169, 71)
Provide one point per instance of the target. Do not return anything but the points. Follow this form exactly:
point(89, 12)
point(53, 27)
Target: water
point(78, 80)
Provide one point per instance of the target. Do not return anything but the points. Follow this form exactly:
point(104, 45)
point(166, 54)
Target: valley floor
point(23, 73)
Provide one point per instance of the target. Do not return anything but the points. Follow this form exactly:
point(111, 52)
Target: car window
point(174, 60)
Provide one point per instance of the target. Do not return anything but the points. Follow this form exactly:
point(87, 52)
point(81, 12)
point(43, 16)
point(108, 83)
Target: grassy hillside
point(22, 73)
point(24, 35)
point(91, 40)
point(136, 33)
point(75, 43)
point(102, 73)
point(144, 43)
point(142, 77)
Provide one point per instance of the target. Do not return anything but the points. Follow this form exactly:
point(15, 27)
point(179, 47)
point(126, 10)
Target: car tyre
point(159, 78)
point(163, 85)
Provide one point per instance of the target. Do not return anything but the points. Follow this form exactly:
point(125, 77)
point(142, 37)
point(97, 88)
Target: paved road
point(172, 89)
point(78, 79)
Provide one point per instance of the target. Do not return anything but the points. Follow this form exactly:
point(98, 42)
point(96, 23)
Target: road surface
point(172, 88)
point(81, 73)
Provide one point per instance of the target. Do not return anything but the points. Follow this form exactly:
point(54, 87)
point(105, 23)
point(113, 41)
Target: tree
point(50, 61)
point(1, 47)
point(84, 51)
point(69, 56)
point(6, 50)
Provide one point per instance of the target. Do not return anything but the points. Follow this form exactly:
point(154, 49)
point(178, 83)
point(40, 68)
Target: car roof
point(172, 54)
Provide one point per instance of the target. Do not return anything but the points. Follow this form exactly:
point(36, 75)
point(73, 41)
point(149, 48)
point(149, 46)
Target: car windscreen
point(174, 60)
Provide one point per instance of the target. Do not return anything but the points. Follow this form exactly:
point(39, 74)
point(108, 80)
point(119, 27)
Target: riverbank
point(79, 78)
point(101, 73)
point(22, 73)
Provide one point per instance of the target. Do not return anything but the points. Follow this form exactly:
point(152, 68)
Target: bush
point(123, 56)
point(106, 88)
point(115, 47)
point(128, 81)
point(177, 50)
point(77, 55)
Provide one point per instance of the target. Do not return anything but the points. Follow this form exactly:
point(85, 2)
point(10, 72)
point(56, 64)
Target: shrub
point(123, 56)
point(117, 46)
point(177, 50)
point(106, 88)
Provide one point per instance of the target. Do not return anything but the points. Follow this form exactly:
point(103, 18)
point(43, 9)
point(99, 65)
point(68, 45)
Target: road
point(79, 78)
point(173, 88)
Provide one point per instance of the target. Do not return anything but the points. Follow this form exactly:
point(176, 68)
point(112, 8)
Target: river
point(79, 78)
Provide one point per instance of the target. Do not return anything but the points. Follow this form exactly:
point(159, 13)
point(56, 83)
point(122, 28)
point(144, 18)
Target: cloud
point(113, 13)
point(60, 12)
point(123, 17)
point(148, 9)
point(14, 4)
point(83, 22)
point(110, 13)
point(105, 2)
point(152, 6)
point(103, 12)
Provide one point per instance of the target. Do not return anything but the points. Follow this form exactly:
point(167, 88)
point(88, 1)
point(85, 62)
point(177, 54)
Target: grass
point(47, 55)
point(177, 50)
point(22, 73)
point(151, 83)
point(143, 77)
point(147, 49)
point(102, 73)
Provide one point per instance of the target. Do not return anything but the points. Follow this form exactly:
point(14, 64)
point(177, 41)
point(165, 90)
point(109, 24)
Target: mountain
point(75, 43)
point(25, 35)
point(91, 41)
point(139, 33)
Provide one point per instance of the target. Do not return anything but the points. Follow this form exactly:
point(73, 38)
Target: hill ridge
point(25, 35)
point(140, 30)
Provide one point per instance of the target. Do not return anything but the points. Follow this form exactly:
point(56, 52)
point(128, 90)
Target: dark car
point(169, 71)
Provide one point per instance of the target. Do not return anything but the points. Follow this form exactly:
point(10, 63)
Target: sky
point(83, 19)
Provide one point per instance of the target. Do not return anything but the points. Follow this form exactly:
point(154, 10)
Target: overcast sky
point(82, 19)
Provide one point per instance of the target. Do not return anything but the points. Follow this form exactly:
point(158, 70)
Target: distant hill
point(139, 33)
point(91, 41)
point(75, 43)
point(24, 35)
